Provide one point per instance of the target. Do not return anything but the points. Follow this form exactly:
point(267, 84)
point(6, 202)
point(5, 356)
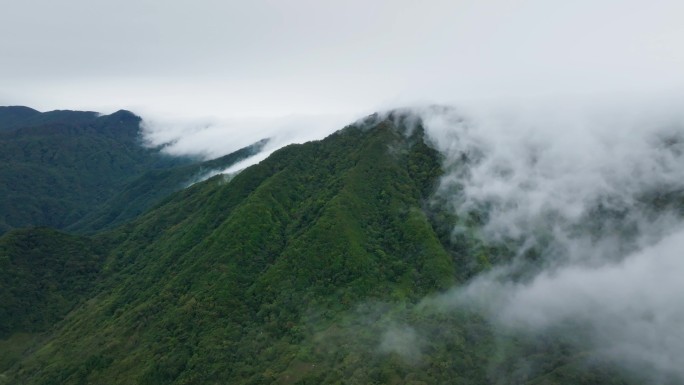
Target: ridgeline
point(307, 268)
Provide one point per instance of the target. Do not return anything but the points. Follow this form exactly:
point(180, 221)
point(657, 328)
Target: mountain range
point(82, 171)
point(119, 265)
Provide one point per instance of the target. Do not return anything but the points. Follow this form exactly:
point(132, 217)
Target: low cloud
point(213, 137)
point(402, 340)
point(596, 192)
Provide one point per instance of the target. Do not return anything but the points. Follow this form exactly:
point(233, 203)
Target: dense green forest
point(81, 171)
point(307, 268)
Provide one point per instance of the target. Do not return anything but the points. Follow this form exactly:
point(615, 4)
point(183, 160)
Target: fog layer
point(595, 193)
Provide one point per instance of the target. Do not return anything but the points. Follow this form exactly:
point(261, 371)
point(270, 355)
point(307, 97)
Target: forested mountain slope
point(62, 167)
point(153, 186)
point(308, 267)
point(14, 118)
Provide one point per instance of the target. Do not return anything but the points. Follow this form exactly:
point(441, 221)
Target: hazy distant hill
point(303, 269)
point(59, 167)
point(18, 117)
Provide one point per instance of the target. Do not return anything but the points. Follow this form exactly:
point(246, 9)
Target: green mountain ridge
point(14, 118)
point(152, 187)
point(66, 169)
point(304, 268)
point(57, 270)
point(11, 116)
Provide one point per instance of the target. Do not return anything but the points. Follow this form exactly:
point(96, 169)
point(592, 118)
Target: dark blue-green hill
point(66, 169)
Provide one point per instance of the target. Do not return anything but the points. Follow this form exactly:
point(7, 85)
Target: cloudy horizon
point(270, 59)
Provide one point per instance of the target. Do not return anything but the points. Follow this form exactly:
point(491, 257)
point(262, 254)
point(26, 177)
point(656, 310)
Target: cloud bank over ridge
point(596, 192)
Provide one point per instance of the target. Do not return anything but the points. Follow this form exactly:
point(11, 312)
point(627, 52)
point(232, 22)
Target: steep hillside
point(59, 167)
point(150, 188)
point(11, 116)
point(44, 274)
point(305, 268)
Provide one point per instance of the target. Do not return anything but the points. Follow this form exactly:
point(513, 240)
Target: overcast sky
point(270, 58)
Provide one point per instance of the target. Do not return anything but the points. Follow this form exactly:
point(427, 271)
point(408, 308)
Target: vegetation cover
point(83, 172)
point(306, 268)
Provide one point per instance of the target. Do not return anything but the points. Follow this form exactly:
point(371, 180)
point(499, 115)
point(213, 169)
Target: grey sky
point(269, 58)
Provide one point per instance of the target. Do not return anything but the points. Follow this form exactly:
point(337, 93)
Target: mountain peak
point(120, 122)
point(123, 115)
point(12, 115)
point(17, 110)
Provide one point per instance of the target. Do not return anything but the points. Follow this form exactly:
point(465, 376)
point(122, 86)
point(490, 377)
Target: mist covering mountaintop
point(422, 245)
